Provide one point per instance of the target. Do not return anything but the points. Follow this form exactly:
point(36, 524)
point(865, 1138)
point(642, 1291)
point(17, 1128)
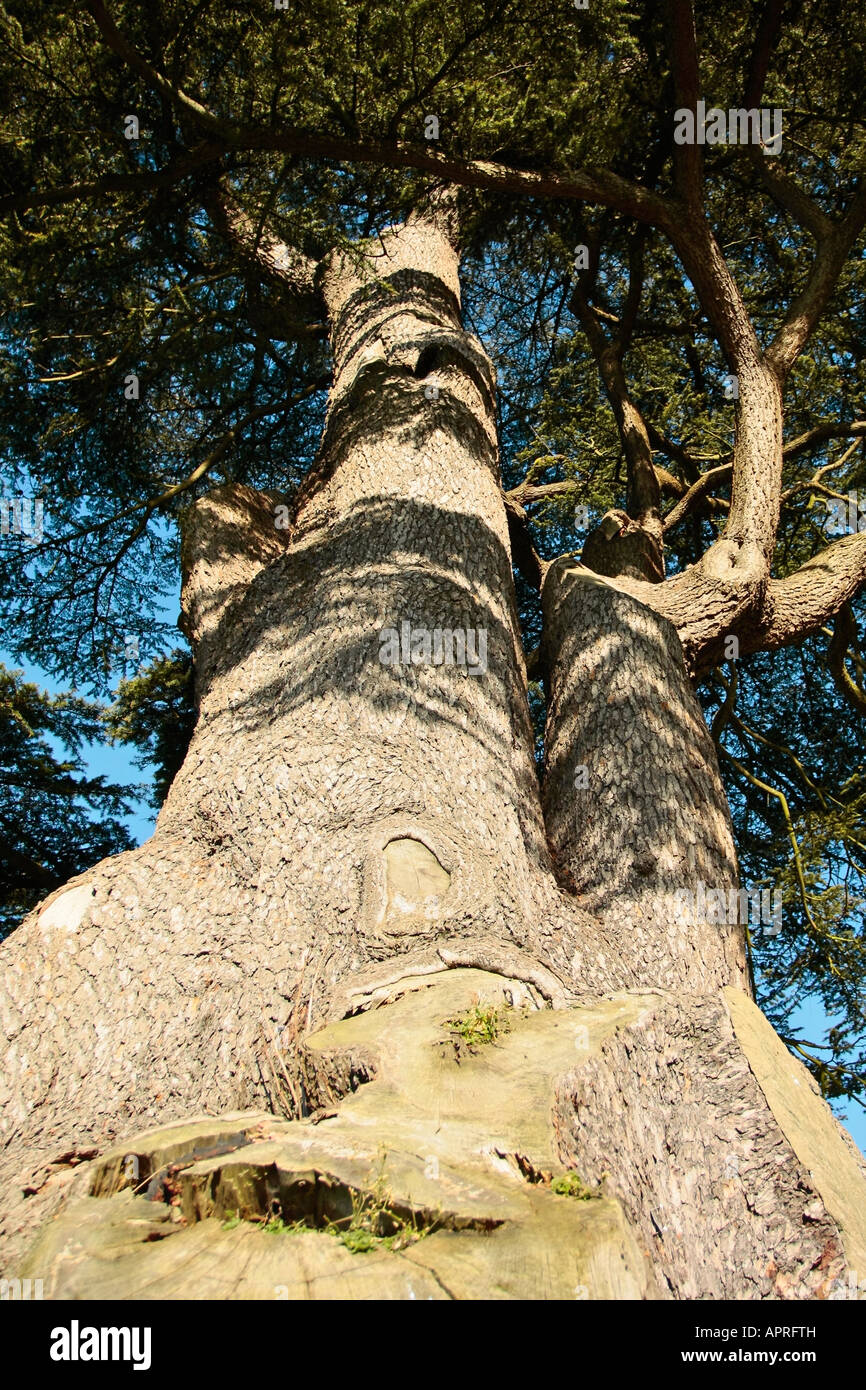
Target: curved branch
point(845, 636)
point(592, 185)
point(690, 462)
point(820, 434)
point(296, 308)
point(281, 265)
point(799, 605)
point(697, 494)
point(803, 315)
point(726, 709)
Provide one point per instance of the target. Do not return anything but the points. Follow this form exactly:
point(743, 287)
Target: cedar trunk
point(357, 822)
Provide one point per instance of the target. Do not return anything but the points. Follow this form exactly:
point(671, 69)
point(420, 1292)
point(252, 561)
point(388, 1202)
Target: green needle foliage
point(55, 820)
point(155, 712)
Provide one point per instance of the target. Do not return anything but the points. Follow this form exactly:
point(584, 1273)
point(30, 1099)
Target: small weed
point(373, 1224)
point(274, 1226)
point(570, 1185)
point(357, 1240)
point(479, 1026)
point(278, 1227)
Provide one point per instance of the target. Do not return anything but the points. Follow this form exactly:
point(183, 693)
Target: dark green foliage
point(155, 711)
point(55, 821)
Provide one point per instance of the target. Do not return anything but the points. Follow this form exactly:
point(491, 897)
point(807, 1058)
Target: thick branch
point(527, 493)
point(278, 263)
point(803, 315)
point(766, 37)
point(797, 606)
point(688, 168)
point(523, 554)
point(750, 535)
point(644, 502)
point(592, 185)
point(786, 192)
point(669, 484)
point(697, 494)
point(298, 307)
point(845, 636)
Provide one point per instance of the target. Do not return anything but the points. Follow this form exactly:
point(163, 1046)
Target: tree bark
point(633, 800)
point(355, 818)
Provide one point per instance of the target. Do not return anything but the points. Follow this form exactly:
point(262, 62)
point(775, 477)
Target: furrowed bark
point(633, 801)
point(374, 736)
point(355, 819)
point(337, 818)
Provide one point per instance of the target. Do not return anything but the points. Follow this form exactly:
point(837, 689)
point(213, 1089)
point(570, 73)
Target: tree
point(155, 711)
point(47, 827)
point(358, 814)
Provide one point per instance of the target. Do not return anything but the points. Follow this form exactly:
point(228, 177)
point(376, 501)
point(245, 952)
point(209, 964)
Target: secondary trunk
point(359, 815)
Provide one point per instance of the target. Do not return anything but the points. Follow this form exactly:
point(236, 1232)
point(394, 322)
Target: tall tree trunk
point(359, 818)
point(633, 801)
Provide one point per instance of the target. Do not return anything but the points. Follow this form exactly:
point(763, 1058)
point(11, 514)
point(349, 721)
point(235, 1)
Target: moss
point(480, 1025)
point(571, 1185)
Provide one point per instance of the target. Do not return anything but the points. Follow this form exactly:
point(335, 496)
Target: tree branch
point(845, 636)
point(526, 493)
point(683, 47)
point(799, 605)
point(786, 192)
point(148, 505)
point(691, 462)
point(820, 434)
point(204, 153)
point(298, 308)
point(803, 315)
point(591, 185)
point(644, 502)
point(526, 559)
point(697, 494)
point(279, 264)
point(779, 184)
